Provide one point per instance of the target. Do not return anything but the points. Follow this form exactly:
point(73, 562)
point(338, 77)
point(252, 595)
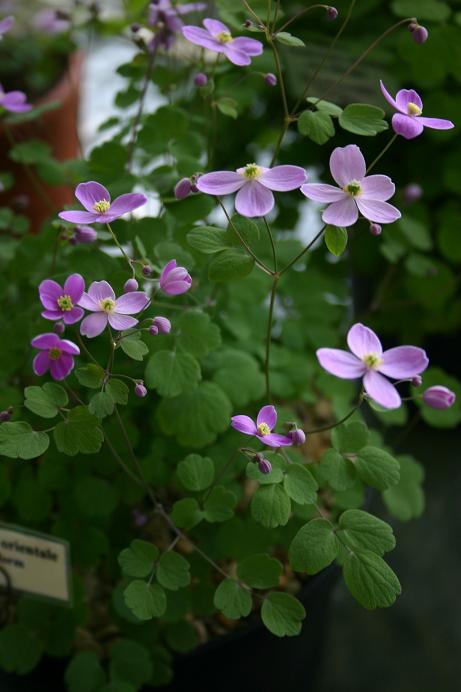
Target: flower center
point(413, 109)
point(102, 206)
point(353, 188)
point(263, 429)
point(54, 353)
point(251, 171)
point(107, 304)
point(372, 361)
point(65, 303)
point(224, 37)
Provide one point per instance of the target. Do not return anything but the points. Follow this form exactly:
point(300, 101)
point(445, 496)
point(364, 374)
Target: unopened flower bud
point(332, 13)
point(5, 416)
point(264, 465)
point(412, 192)
point(183, 188)
point(59, 327)
point(420, 34)
point(140, 390)
point(439, 397)
point(298, 436)
point(375, 229)
point(248, 23)
point(162, 325)
point(139, 518)
point(130, 285)
point(135, 27)
point(84, 235)
point(417, 381)
point(200, 79)
point(270, 79)
point(146, 270)
point(153, 330)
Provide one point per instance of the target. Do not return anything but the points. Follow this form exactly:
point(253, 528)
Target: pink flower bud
point(412, 192)
point(332, 13)
point(59, 327)
point(298, 436)
point(161, 324)
point(83, 235)
point(183, 188)
point(174, 280)
point(200, 79)
point(264, 465)
point(130, 286)
point(140, 390)
point(270, 79)
point(5, 416)
point(375, 229)
point(417, 381)
point(439, 397)
point(420, 34)
point(146, 270)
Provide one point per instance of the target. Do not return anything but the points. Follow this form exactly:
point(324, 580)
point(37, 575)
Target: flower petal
point(275, 440)
point(202, 38)
point(250, 46)
point(381, 212)
point(49, 291)
point(406, 96)
point(69, 347)
point(253, 199)
point(322, 193)
point(403, 361)
point(167, 269)
point(381, 390)
point(346, 164)
point(60, 368)
point(343, 213)
point(407, 126)
point(244, 424)
point(88, 303)
point(267, 415)
point(131, 303)
point(215, 27)
point(436, 123)
point(190, 7)
point(74, 287)
point(91, 192)
point(390, 99)
point(220, 182)
point(121, 322)
point(45, 341)
point(78, 216)
point(283, 178)
point(72, 316)
point(100, 290)
point(340, 363)
point(41, 363)
point(52, 314)
point(125, 203)
point(93, 324)
point(362, 340)
point(378, 187)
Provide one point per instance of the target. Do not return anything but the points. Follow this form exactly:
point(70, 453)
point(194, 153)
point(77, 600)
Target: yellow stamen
point(224, 37)
point(263, 429)
point(251, 171)
point(54, 353)
point(413, 109)
point(102, 206)
point(107, 304)
point(372, 361)
point(65, 303)
point(353, 188)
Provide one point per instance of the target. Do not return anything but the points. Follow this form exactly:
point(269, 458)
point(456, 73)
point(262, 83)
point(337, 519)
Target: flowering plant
point(178, 403)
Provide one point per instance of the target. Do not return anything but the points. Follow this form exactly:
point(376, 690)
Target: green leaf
point(350, 437)
point(31, 151)
point(20, 649)
point(282, 614)
point(138, 560)
point(289, 40)
point(314, 547)
point(230, 265)
point(19, 441)
point(271, 506)
point(207, 239)
point(101, 405)
point(133, 346)
point(228, 106)
point(432, 10)
point(79, 433)
point(377, 468)
point(172, 372)
point(232, 599)
point(186, 513)
point(45, 401)
point(219, 505)
point(84, 673)
point(275, 476)
point(173, 571)
point(130, 662)
point(405, 500)
point(146, 601)
point(325, 106)
point(95, 497)
point(300, 484)
point(118, 390)
point(196, 472)
point(370, 580)
point(197, 335)
point(239, 375)
point(260, 571)
point(364, 531)
point(317, 125)
point(247, 229)
point(166, 124)
point(336, 239)
point(337, 471)
point(362, 119)
point(90, 376)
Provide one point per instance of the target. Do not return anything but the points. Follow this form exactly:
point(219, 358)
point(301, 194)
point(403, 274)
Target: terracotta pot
point(57, 127)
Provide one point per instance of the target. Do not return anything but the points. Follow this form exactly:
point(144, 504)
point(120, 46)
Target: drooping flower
point(408, 121)
point(370, 362)
point(99, 208)
point(183, 188)
point(270, 79)
point(200, 79)
point(107, 309)
point(217, 37)
point(62, 303)
point(262, 429)
point(56, 355)
point(165, 18)
point(140, 389)
point(356, 192)
point(175, 280)
point(254, 185)
point(298, 436)
point(14, 101)
point(52, 21)
point(5, 25)
point(130, 286)
point(83, 235)
point(420, 33)
point(264, 465)
point(160, 325)
point(439, 397)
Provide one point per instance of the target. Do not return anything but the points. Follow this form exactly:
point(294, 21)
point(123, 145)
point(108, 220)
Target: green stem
point(142, 100)
point(259, 262)
point(271, 238)
point(253, 13)
point(269, 336)
point(303, 252)
point(115, 239)
point(220, 475)
point(375, 161)
point(299, 15)
point(334, 425)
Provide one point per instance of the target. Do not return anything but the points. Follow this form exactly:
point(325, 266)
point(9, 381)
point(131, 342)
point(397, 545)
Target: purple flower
point(140, 389)
point(420, 33)
point(264, 465)
point(160, 325)
point(84, 235)
point(270, 79)
point(253, 185)
point(175, 280)
point(183, 188)
point(408, 121)
point(130, 286)
point(56, 355)
point(368, 361)
point(439, 397)
point(101, 301)
point(51, 22)
point(200, 79)
point(61, 303)
point(99, 209)
point(166, 18)
point(217, 37)
point(332, 13)
point(262, 429)
point(6, 24)
point(355, 192)
point(14, 101)
point(375, 229)
point(298, 436)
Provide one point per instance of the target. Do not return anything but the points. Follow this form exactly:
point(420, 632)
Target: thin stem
point(334, 425)
point(220, 474)
point(259, 262)
point(134, 132)
point(253, 13)
point(120, 461)
point(271, 238)
point(82, 345)
point(281, 137)
point(308, 246)
point(134, 459)
point(278, 67)
point(269, 336)
point(375, 161)
point(115, 239)
point(299, 14)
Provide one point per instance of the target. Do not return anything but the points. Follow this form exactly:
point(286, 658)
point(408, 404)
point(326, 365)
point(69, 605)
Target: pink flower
point(253, 185)
point(217, 37)
point(355, 192)
point(99, 209)
point(56, 355)
point(61, 303)
point(175, 280)
point(107, 309)
point(408, 121)
point(368, 361)
point(262, 429)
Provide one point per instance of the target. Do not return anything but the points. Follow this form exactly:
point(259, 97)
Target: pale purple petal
point(45, 341)
point(67, 346)
point(436, 123)
point(60, 368)
point(167, 269)
point(267, 415)
point(121, 322)
point(250, 46)
point(125, 203)
point(244, 424)
point(340, 363)
point(378, 187)
point(131, 303)
point(390, 99)
point(49, 292)
point(215, 27)
point(91, 192)
point(74, 287)
point(93, 324)
point(176, 288)
point(406, 96)
point(72, 316)
point(100, 290)
point(362, 341)
point(78, 216)
point(381, 390)
point(380, 212)
point(407, 126)
point(283, 178)
point(323, 193)
point(403, 361)
point(202, 38)
point(190, 7)
point(346, 164)
point(15, 102)
point(236, 56)
point(52, 314)
point(88, 303)
point(275, 440)
point(41, 363)
point(343, 213)
point(220, 182)
point(253, 199)
point(6, 24)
